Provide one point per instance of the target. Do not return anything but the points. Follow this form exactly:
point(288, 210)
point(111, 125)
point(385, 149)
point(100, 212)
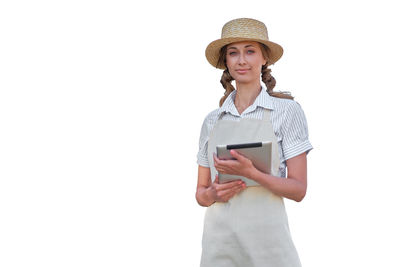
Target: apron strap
point(267, 115)
point(220, 115)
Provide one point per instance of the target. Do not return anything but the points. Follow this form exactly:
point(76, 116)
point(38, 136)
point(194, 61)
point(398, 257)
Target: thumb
point(237, 155)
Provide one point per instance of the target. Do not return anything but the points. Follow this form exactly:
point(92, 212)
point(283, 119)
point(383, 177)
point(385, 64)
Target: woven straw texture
point(243, 29)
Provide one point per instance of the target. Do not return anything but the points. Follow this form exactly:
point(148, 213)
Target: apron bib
point(251, 229)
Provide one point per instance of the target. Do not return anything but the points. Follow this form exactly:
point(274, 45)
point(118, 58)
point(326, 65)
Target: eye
point(232, 53)
point(250, 51)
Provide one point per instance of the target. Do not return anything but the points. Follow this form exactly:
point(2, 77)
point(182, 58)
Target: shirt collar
point(263, 100)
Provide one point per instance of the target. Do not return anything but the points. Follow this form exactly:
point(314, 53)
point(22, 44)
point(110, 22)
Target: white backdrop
point(101, 105)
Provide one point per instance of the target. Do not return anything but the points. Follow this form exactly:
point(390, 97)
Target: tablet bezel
point(254, 151)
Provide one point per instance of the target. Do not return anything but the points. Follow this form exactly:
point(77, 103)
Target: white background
point(101, 106)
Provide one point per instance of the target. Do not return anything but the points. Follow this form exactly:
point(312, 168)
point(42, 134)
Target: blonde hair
point(266, 77)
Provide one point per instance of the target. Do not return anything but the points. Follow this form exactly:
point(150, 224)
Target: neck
point(246, 94)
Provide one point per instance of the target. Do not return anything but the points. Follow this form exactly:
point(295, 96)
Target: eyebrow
point(233, 47)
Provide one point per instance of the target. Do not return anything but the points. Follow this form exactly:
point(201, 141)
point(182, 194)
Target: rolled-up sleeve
point(294, 132)
point(202, 158)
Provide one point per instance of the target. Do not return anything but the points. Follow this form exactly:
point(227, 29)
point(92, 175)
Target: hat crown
point(245, 28)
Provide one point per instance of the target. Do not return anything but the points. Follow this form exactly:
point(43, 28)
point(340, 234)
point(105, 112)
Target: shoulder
point(212, 116)
point(209, 122)
point(288, 117)
point(292, 128)
point(286, 107)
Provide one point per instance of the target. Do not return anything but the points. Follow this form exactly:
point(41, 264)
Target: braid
point(226, 80)
point(267, 78)
point(270, 82)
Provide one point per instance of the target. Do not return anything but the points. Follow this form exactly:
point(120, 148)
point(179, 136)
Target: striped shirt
point(287, 119)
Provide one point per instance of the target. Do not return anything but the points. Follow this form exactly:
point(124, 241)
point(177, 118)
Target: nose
point(242, 59)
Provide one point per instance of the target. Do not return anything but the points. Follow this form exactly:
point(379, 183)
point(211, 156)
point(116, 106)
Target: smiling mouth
point(242, 70)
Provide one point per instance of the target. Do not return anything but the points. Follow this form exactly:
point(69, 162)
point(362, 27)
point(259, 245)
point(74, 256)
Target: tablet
point(259, 153)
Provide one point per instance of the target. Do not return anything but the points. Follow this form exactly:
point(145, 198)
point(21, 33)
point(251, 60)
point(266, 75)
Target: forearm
point(203, 196)
point(288, 188)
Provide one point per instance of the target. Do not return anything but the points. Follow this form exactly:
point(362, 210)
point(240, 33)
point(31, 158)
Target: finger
point(227, 193)
point(229, 169)
point(216, 159)
point(224, 165)
point(228, 196)
point(231, 193)
point(219, 164)
point(230, 185)
point(223, 170)
point(237, 155)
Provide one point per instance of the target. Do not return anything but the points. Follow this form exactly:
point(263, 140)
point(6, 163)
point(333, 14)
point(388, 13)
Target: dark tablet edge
point(247, 145)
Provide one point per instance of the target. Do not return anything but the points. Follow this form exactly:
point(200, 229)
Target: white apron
point(251, 229)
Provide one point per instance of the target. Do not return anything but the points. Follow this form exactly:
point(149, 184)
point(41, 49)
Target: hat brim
point(213, 49)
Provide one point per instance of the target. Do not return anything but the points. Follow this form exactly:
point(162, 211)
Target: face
point(244, 61)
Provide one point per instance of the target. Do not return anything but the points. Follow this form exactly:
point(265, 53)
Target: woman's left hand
point(241, 166)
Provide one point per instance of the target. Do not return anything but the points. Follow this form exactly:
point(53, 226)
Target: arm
point(203, 195)
point(294, 187)
point(207, 192)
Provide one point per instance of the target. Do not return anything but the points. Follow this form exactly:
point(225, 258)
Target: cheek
point(230, 65)
point(257, 61)
point(229, 62)
point(258, 65)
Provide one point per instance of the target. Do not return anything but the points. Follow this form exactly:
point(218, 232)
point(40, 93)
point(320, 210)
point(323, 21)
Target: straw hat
point(238, 30)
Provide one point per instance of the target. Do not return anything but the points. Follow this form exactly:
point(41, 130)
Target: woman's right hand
point(224, 192)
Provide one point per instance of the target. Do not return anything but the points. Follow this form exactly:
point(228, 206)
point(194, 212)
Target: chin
point(244, 80)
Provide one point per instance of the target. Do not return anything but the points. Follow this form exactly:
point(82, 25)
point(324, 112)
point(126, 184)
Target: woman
point(247, 225)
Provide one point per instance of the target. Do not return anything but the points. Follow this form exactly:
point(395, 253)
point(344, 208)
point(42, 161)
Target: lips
point(242, 71)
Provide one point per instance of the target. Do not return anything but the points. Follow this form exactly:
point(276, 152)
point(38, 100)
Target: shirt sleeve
point(202, 158)
point(294, 132)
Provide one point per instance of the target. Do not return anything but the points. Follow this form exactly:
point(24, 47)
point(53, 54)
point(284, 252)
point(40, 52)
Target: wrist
point(254, 174)
point(209, 196)
point(203, 197)
point(261, 177)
